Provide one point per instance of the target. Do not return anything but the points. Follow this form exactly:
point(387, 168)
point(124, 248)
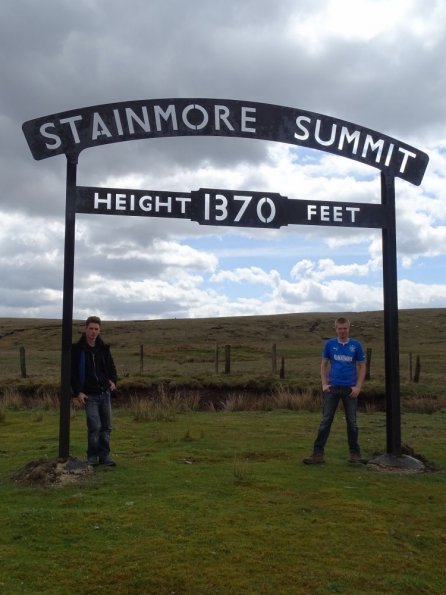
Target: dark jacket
point(91, 367)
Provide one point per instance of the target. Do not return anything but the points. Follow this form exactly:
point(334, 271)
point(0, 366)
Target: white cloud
point(326, 268)
point(416, 295)
point(351, 20)
point(376, 63)
point(252, 275)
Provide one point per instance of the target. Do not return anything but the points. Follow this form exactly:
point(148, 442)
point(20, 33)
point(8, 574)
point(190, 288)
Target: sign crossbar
point(208, 206)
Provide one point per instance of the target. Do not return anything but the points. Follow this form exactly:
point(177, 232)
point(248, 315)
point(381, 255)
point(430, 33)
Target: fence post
point(227, 359)
point(410, 367)
point(274, 358)
point(416, 377)
point(368, 363)
point(22, 362)
point(217, 355)
point(141, 359)
point(282, 367)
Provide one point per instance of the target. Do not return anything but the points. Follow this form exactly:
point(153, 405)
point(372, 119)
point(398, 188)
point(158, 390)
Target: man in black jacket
point(93, 379)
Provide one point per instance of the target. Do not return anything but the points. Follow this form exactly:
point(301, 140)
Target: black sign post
point(71, 132)
point(391, 331)
point(67, 308)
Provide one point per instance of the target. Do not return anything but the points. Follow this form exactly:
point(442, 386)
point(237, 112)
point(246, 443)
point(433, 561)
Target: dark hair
point(93, 320)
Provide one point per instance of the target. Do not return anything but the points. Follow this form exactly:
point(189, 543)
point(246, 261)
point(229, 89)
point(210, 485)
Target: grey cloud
point(65, 55)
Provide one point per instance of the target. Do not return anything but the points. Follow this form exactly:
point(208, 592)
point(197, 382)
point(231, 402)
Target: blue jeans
point(98, 410)
point(331, 402)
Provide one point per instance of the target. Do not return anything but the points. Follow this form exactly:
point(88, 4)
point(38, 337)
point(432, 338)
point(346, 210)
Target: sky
point(379, 64)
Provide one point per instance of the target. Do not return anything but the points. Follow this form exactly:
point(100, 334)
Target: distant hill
point(182, 352)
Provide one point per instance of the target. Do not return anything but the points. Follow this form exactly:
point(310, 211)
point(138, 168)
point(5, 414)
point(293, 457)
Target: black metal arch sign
point(73, 131)
point(76, 130)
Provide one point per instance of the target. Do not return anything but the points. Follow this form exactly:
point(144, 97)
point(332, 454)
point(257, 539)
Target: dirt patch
point(55, 472)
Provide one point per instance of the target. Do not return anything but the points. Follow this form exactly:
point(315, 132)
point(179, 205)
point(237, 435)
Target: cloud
point(378, 64)
point(251, 275)
point(327, 268)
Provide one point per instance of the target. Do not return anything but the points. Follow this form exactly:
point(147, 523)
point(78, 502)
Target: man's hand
point(326, 388)
point(82, 398)
point(355, 392)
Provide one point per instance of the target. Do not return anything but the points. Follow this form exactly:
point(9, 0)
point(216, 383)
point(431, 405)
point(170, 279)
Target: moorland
point(267, 353)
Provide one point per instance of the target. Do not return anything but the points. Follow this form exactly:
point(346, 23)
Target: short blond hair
point(342, 320)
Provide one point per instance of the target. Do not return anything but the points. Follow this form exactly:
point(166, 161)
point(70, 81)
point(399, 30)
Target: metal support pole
point(391, 334)
point(67, 308)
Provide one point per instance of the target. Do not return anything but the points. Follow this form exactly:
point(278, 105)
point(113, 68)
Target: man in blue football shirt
point(343, 371)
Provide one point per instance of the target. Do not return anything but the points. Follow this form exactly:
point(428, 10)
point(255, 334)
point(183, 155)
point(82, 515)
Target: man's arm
point(361, 377)
point(111, 371)
point(76, 387)
point(324, 367)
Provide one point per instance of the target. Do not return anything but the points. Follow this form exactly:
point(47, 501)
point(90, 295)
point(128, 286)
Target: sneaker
point(316, 458)
point(93, 461)
point(356, 459)
point(107, 461)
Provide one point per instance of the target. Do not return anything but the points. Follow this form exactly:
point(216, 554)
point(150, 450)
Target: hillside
point(183, 352)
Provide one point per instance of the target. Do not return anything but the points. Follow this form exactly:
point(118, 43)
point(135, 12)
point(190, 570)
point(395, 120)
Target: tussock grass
point(11, 399)
point(148, 410)
point(167, 404)
point(281, 398)
point(243, 472)
point(423, 403)
point(309, 400)
point(164, 406)
point(243, 402)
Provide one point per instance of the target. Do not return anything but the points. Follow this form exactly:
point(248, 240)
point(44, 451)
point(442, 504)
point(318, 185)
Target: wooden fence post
point(416, 377)
point(282, 367)
point(22, 362)
point(368, 363)
point(227, 359)
point(216, 358)
point(141, 359)
point(274, 358)
point(410, 367)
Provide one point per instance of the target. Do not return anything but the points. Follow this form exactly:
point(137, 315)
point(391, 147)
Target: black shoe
point(356, 459)
point(93, 461)
point(317, 458)
point(108, 461)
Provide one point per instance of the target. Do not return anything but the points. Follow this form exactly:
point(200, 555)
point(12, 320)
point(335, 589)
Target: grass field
point(220, 503)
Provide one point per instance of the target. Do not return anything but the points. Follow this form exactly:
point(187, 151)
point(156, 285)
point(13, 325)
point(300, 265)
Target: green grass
point(220, 503)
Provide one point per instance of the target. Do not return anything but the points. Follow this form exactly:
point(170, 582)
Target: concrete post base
point(401, 464)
